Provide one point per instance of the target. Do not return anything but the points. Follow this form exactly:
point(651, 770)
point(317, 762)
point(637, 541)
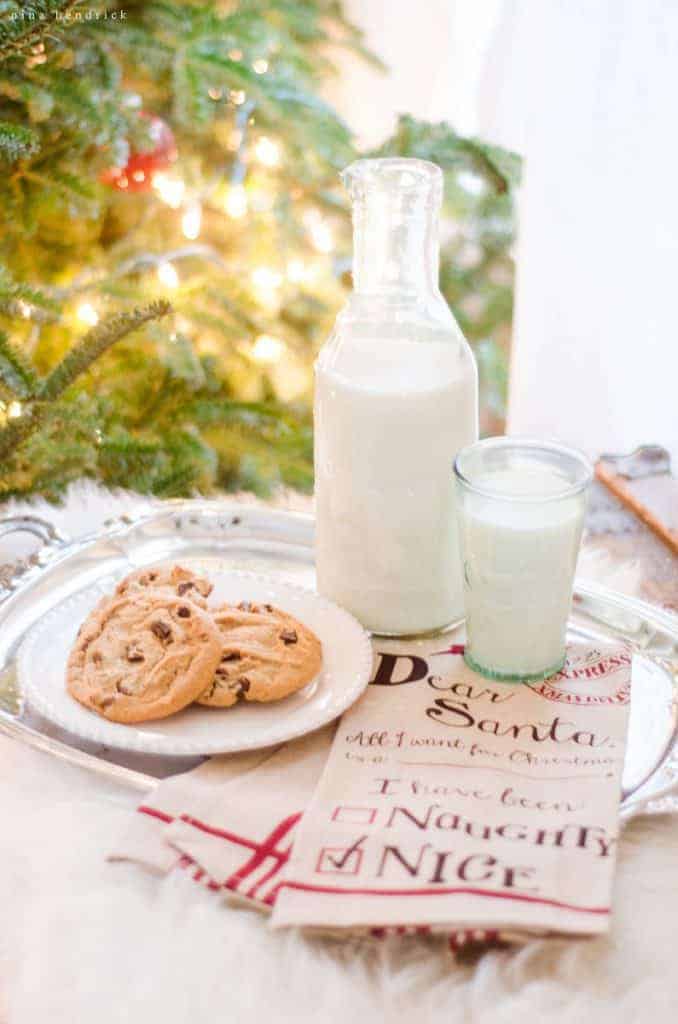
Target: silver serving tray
point(256, 539)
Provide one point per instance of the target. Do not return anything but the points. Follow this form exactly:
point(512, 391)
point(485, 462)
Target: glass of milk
point(520, 509)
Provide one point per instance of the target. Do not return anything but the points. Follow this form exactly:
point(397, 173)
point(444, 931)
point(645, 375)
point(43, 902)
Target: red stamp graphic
point(589, 678)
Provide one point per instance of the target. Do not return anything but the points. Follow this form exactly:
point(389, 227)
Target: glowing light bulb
point(266, 278)
point(267, 349)
point(24, 309)
point(167, 275)
point(87, 314)
point(266, 282)
point(13, 410)
point(191, 221)
point(237, 96)
point(235, 54)
point(170, 189)
point(260, 66)
point(298, 272)
point(268, 152)
point(321, 236)
point(214, 93)
point(236, 201)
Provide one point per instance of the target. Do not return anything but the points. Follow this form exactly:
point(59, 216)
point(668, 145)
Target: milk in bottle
point(395, 399)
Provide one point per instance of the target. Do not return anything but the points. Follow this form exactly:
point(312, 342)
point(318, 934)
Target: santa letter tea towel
point(452, 802)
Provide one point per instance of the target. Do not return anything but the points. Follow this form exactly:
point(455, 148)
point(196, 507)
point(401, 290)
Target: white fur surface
point(87, 942)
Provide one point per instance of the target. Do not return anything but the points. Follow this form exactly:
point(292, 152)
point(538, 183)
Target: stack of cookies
point(155, 646)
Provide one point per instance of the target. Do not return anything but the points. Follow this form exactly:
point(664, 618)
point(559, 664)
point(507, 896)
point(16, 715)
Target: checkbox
point(340, 860)
point(355, 815)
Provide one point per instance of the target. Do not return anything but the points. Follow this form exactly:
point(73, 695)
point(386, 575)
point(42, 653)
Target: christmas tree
point(176, 243)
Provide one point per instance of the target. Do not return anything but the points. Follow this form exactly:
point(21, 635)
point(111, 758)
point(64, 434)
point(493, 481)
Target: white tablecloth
point(87, 942)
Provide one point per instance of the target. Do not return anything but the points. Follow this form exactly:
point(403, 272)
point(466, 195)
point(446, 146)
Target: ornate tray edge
point(55, 549)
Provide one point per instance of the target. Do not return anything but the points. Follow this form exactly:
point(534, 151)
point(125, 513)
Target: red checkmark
point(340, 862)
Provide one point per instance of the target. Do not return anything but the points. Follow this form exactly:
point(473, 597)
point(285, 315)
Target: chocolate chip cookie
point(182, 582)
point(266, 655)
point(142, 656)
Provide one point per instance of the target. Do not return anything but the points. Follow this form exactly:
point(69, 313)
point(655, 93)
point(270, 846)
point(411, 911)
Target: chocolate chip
point(106, 702)
point(97, 657)
point(221, 673)
point(235, 520)
point(231, 656)
point(121, 688)
point(243, 685)
point(289, 636)
point(134, 653)
point(183, 587)
point(268, 607)
point(183, 612)
point(246, 606)
point(161, 630)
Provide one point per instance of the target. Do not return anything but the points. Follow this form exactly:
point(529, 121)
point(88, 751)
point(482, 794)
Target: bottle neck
point(395, 244)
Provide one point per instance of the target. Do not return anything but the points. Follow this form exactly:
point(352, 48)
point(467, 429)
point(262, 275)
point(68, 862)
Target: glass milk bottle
point(396, 397)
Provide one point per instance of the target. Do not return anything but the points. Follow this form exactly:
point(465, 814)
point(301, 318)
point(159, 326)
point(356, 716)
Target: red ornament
point(137, 174)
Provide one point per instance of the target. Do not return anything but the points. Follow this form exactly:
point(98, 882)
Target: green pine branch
point(94, 344)
point(17, 142)
point(23, 300)
point(20, 377)
point(18, 430)
point(24, 28)
point(16, 373)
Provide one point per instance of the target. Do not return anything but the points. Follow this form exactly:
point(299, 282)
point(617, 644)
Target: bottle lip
point(397, 175)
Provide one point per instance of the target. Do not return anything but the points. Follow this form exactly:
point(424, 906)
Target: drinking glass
point(520, 509)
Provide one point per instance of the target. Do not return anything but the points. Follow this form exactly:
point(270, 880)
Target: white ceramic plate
point(347, 663)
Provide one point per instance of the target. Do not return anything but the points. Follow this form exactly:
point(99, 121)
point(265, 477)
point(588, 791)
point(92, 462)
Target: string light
point(320, 232)
point(167, 275)
point(268, 152)
point(235, 54)
point(24, 309)
point(214, 93)
point(87, 314)
point(266, 282)
point(170, 189)
point(267, 349)
point(298, 272)
point(260, 66)
point(237, 96)
point(471, 182)
point(321, 237)
point(236, 201)
point(191, 221)
point(266, 278)
point(13, 410)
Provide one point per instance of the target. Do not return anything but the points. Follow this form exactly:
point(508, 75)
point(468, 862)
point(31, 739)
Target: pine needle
point(19, 430)
point(16, 142)
point(16, 373)
point(18, 35)
point(94, 344)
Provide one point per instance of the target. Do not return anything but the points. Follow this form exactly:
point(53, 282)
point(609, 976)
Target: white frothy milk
point(519, 563)
point(389, 420)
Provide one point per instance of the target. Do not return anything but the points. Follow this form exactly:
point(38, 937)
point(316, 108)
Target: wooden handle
point(617, 485)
